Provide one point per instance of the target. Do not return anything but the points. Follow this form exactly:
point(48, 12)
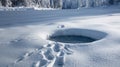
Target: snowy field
point(25, 34)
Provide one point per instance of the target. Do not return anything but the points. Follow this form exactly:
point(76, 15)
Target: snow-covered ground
point(24, 38)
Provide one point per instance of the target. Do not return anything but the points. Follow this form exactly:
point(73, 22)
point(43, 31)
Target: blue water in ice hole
point(72, 39)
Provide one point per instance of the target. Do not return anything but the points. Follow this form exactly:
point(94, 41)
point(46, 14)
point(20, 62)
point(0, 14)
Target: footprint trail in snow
point(51, 55)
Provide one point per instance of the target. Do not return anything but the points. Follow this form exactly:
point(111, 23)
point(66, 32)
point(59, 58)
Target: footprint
point(49, 45)
point(62, 53)
point(24, 56)
point(43, 63)
point(56, 47)
point(49, 54)
point(60, 60)
point(52, 54)
point(28, 54)
point(67, 50)
point(19, 60)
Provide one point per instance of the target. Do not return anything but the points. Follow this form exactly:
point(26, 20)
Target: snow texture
point(24, 38)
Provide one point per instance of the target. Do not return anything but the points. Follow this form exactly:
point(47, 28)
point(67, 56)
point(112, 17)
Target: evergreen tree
point(65, 4)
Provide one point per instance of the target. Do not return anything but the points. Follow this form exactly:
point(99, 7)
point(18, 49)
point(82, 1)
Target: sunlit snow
point(24, 37)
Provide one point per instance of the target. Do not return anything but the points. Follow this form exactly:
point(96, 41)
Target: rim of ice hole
point(75, 35)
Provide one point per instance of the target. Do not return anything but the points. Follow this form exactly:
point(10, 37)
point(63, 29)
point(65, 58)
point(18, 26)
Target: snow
point(61, 4)
point(24, 43)
point(16, 8)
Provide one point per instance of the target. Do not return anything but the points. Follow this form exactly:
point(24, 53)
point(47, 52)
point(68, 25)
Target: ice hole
point(74, 35)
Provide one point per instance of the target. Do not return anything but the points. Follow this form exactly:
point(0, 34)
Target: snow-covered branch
point(65, 4)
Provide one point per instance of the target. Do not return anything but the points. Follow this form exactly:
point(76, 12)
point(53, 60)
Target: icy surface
point(23, 38)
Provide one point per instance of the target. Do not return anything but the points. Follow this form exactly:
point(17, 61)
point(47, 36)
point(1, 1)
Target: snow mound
point(75, 35)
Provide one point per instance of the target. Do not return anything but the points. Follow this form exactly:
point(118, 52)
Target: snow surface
point(24, 43)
